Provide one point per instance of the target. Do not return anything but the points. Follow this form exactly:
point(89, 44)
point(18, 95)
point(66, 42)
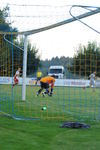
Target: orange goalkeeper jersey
point(49, 80)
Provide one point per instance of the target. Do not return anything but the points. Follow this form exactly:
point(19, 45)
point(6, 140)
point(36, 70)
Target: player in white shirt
point(92, 79)
point(16, 77)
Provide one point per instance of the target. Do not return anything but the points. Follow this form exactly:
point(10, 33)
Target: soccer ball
point(44, 108)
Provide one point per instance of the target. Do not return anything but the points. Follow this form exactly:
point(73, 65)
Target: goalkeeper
point(45, 82)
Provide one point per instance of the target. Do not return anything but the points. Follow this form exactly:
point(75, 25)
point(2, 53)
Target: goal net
point(72, 95)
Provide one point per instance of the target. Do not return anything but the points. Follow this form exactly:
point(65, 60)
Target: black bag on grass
point(76, 125)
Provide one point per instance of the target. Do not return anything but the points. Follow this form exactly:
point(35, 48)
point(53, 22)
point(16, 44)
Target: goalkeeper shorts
point(44, 85)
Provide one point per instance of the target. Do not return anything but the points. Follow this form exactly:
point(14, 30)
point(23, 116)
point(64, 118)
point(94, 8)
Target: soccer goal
point(20, 26)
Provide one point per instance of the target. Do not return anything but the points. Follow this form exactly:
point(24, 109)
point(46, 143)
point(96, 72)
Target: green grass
point(65, 101)
point(46, 135)
point(68, 104)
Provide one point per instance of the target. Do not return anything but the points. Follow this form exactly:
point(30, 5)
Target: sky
point(63, 40)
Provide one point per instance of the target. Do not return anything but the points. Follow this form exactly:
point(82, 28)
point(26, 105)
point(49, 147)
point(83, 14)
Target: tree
point(86, 60)
point(33, 59)
point(11, 56)
point(5, 49)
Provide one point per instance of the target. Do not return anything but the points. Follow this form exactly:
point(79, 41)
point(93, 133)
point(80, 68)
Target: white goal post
point(24, 69)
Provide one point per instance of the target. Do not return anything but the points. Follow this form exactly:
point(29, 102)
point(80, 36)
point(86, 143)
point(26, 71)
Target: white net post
point(24, 69)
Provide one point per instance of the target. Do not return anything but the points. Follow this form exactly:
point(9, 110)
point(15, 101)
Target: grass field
point(46, 135)
point(67, 104)
point(66, 101)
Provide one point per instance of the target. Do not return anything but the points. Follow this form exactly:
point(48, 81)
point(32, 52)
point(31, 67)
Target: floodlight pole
point(24, 69)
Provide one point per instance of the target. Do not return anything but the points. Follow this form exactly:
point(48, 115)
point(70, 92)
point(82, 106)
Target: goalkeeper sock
point(47, 91)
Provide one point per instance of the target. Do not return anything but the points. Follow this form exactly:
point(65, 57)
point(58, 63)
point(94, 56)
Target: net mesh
point(26, 17)
point(72, 95)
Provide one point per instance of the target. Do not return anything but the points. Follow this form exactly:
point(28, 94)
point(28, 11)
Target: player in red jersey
point(16, 77)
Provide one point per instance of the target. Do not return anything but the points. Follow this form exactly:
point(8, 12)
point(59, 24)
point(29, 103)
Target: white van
point(58, 71)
